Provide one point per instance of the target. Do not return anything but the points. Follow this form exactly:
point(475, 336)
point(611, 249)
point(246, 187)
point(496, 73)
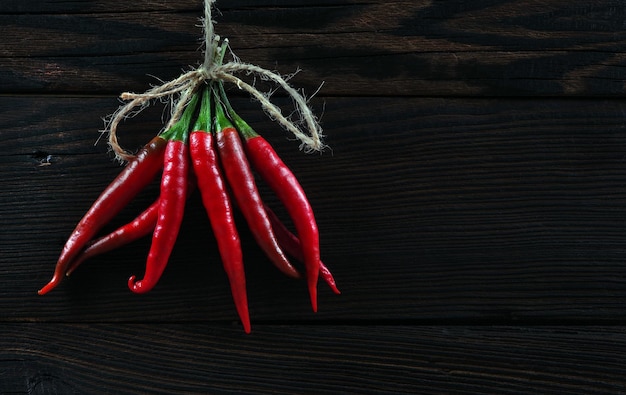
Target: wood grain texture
point(471, 206)
point(400, 48)
point(195, 358)
point(430, 209)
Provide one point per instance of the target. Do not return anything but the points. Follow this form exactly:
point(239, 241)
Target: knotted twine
point(180, 91)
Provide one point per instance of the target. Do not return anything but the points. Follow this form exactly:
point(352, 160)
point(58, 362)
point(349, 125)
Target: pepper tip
point(334, 288)
point(73, 266)
point(50, 286)
point(313, 294)
point(135, 286)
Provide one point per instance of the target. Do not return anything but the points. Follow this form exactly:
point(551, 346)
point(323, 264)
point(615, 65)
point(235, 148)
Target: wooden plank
point(197, 358)
point(430, 210)
point(405, 48)
point(62, 6)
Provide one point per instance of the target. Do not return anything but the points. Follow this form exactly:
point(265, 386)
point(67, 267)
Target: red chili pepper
point(291, 244)
point(283, 182)
point(218, 207)
point(286, 186)
point(139, 227)
point(171, 202)
point(241, 180)
point(135, 176)
point(143, 224)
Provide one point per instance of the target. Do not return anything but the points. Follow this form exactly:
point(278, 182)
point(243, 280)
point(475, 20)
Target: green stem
point(242, 126)
point(221, 120)
point(221, 52)
point(204, 116)
point(180, 130)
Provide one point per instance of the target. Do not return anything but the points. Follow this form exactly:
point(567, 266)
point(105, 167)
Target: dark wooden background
point(473, 206)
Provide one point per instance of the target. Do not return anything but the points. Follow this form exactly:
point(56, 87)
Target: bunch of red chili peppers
point(216, 155)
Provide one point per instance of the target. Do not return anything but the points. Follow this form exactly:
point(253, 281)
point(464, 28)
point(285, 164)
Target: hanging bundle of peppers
point(209, 147)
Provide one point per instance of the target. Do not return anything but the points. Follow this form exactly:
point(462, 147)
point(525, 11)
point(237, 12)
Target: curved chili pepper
point(283, 182)
point(143, 224)
point(171, 202)
point(218, 207)
point(137, 228)
point(241, 180)
point(286, 186)
point(132, 179)
point(291, 244)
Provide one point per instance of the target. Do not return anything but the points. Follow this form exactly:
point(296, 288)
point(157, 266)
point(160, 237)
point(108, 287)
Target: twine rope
point(181, 89)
